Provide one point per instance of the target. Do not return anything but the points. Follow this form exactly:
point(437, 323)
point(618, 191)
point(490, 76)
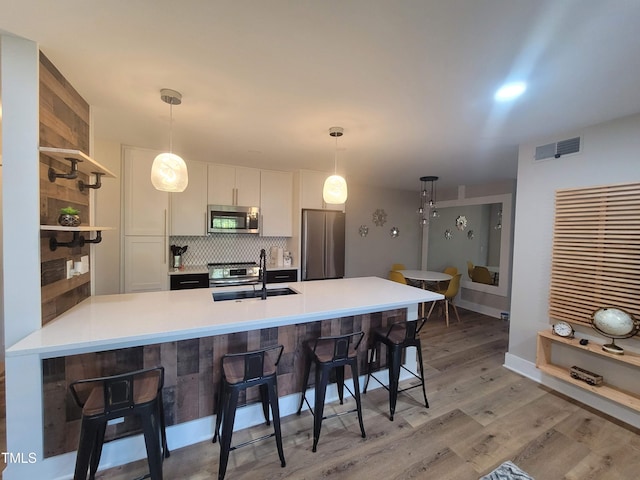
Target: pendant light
point(169, 172)
point(427, 207)
point(335, 186)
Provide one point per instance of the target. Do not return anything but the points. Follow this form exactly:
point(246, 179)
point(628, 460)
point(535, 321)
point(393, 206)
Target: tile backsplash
point(225, 248)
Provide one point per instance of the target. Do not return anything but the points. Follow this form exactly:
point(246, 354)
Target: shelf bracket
point(77, 241)
point(98, 184)
point(73, 173)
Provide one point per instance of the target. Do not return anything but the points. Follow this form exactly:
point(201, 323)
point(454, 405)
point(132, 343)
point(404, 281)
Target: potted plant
point(69, 217)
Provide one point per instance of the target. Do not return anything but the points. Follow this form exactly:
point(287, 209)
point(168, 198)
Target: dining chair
point(398, 266)
point(449, 296)
point(470, 269)
point(481, 275)
point(397, 277)
point(451, 271)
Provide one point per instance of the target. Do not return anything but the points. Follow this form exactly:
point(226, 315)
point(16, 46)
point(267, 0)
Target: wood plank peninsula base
point(192, 372)
point(187, 332)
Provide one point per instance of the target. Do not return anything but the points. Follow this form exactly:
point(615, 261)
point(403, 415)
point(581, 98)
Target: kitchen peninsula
point(187, 332)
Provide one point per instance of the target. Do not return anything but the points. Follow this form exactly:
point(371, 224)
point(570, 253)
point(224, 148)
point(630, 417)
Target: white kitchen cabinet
point(145, 263)
point(276, 203)
point(145, 208)
point(189, 208)
point(311, 185)
point(229, 185)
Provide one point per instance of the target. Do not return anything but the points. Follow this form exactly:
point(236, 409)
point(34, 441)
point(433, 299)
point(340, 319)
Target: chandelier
point(427, 209)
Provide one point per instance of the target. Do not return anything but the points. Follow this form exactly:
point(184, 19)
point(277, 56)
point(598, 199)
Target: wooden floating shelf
point(543, 361)
point(80, 228)
point(86, 164)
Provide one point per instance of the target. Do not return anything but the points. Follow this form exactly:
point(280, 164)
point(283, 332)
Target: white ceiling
point(411, 81)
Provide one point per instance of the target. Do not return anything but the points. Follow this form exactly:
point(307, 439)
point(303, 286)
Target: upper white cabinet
point(228, 185)
point(145, 208)
point(276, 203)
point(311, 185)
point(189, 208)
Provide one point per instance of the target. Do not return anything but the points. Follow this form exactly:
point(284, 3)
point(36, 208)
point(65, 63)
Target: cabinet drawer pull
point(185, 282)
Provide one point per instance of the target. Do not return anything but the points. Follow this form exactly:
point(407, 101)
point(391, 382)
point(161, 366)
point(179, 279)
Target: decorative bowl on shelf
point(69, 217)
point(614, 323)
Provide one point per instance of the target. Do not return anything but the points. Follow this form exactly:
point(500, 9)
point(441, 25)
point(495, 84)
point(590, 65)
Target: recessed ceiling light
point(510, 91)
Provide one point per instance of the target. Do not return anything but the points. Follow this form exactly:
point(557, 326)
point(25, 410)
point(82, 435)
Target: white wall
point(374, 254)
point(609, 156)
point(19, 63)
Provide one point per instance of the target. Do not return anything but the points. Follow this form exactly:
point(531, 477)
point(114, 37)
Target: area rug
point(507, 471)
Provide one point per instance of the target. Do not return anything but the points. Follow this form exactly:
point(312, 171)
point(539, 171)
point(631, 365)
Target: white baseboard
point(476, 307)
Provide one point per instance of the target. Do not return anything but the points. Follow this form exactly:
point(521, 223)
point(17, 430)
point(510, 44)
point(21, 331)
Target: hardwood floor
point(480, 415)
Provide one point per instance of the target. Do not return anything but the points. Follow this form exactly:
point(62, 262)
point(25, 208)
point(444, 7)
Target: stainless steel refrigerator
point(322, 244)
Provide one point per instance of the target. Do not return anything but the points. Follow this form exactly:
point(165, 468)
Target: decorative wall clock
point(379, 217)
point(461, 222)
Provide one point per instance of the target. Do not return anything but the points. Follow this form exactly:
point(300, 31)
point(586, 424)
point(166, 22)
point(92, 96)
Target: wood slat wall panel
point(64, 123)
point(596, 251)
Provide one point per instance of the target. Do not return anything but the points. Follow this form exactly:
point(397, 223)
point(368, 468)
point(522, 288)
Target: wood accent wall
point(64, 123)
point(192, 372)
point(596, 252)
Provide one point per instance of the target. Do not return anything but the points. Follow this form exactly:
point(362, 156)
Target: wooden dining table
point(425, 277)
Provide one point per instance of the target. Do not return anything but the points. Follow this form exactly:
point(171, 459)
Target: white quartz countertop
point(107, 322)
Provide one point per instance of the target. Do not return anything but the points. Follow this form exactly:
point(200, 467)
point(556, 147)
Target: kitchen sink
point(244, 294)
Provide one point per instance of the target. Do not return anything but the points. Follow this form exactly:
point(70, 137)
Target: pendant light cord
point(335, 159)
point(171, 127)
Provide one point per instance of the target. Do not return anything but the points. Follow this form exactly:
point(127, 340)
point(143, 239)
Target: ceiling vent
point(558, 149)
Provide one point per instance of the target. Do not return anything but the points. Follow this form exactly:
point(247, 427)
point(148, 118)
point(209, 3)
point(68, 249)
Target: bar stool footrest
point(249, 442)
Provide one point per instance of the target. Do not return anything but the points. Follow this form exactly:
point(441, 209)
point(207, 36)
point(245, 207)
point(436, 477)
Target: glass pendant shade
point(335, 190)
point(169, 173)
point(335, 186)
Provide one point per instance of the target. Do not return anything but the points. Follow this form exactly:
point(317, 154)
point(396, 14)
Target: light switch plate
point(69, 269)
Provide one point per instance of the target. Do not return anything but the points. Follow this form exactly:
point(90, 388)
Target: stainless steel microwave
point(232, 219)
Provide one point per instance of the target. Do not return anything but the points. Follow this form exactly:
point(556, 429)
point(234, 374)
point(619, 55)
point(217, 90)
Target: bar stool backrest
point(343, 346)
point(406, 330)
point(117, 393)
point(242, 367)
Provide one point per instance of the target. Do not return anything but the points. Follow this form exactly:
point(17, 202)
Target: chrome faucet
point(263, 273)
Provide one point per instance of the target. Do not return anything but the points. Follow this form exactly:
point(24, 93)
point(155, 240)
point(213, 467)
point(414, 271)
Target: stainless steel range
point(233, 273)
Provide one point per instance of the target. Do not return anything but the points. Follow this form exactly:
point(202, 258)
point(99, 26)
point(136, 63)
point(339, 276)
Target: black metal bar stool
point(102, 399)
point(330, 353)
point(239, 372)
point(397, 338)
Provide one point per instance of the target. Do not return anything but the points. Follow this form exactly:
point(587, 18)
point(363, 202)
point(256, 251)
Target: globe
point(614, 323)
